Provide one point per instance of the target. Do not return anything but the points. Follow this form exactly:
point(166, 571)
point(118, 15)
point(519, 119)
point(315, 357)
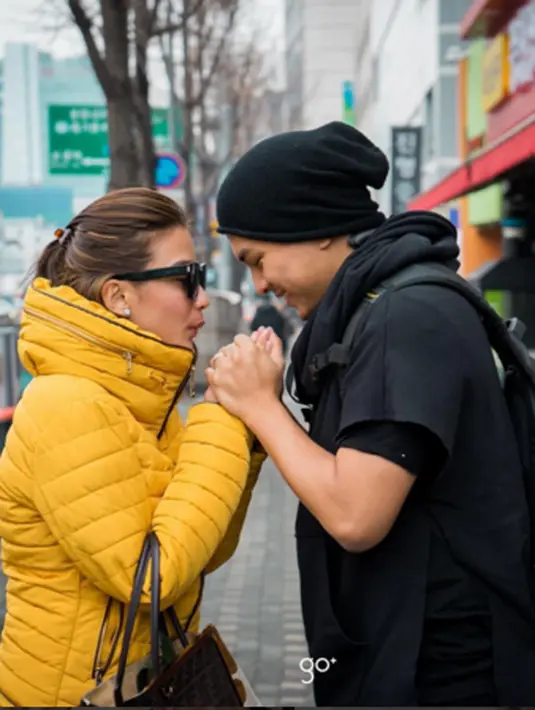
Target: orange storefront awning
point(485, 167)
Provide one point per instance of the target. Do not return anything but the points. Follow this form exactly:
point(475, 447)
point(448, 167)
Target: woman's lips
point(195, 328)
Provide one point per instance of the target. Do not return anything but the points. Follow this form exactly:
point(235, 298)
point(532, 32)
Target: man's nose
point(261, 285)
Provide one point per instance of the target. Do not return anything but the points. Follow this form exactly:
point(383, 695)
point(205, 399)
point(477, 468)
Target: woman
point(97, 455)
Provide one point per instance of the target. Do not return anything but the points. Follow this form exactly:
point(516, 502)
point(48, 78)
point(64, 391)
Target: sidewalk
point(254, 599)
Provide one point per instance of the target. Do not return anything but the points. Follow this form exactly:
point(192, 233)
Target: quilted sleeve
point(230, 542)
point(91, 488)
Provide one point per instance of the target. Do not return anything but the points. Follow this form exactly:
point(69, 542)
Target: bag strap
point(99, 669)
point(133, 608)
point(150, 553)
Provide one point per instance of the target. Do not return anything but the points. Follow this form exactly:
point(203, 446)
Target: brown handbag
point(201, 673)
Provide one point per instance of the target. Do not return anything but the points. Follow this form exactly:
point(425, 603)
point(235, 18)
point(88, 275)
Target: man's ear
point(325, 244)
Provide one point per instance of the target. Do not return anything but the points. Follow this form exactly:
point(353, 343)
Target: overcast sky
point(34, 20)
point(41, 22)
point(26, 21)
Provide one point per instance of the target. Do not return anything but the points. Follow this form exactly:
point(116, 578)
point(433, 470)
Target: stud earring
point(127, 312)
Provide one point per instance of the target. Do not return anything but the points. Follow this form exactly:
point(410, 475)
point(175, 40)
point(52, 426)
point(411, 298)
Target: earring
point(127, 312)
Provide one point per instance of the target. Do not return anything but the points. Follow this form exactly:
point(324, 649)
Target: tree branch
point(85, 25)
point(175, 28)
point(206, 80)
point(153, 16)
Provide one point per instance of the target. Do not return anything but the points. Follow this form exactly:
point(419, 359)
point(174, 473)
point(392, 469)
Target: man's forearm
point(307, 468)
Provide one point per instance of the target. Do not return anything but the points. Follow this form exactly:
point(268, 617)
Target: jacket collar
point(64, 333)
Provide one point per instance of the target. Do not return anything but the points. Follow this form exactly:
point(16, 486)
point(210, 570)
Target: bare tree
point(203, 41)
point(246, 84)
point(207, 63)
point(217, 72)
point(117, 34)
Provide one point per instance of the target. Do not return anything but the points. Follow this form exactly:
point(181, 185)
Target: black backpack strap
point(505, 337)
point(339, 354)
point(358, 319)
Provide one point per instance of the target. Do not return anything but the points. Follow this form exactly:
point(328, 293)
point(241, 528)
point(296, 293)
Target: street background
point(254, 599)
point(446, 88)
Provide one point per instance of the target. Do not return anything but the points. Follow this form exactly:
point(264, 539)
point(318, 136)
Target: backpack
point(515, 365)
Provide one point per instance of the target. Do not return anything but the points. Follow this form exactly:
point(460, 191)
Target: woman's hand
point(209, 396)
point(264, 338)
point(244, 376)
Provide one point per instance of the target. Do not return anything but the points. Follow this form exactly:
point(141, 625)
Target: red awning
point(6, 414)
point(482, 169)
point(484, 18)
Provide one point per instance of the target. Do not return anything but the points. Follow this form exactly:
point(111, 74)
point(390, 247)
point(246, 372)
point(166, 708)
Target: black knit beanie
point(304, 185)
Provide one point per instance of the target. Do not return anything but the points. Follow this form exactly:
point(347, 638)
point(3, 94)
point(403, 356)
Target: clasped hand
point(247, 374)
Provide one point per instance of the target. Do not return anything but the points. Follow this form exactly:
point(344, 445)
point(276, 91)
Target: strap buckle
point(337, 354)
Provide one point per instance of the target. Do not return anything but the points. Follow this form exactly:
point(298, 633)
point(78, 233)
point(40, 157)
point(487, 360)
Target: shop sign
point(495, 72)
point(474, 144)
point(521, 33)
point(406, 165)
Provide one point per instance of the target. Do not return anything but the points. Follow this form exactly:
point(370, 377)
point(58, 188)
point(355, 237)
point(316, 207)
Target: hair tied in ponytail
point(62, 235)
point(112, 235)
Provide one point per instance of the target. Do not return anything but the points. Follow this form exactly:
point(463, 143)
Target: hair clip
point(63, 235)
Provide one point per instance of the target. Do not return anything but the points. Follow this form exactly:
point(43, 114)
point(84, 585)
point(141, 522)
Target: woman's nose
point(203, 300)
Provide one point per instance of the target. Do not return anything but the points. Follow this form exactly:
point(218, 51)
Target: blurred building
point(320, 59)
point(28, 217)
point(34, 81)
point(406, 77)
point(494, 184)
point(54, 124)
point(21, 116)
point(53, 149)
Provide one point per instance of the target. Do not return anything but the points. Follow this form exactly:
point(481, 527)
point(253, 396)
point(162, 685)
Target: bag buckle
point(337, 354)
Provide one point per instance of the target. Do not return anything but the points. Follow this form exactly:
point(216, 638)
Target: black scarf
point(402, 240)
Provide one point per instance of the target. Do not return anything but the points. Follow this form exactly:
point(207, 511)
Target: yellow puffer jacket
point(85, 475)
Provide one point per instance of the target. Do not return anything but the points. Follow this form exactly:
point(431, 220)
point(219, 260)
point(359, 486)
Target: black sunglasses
point(193, 275)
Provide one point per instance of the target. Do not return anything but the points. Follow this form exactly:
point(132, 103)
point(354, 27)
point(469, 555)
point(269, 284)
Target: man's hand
point(244, 377)
point(270, 341)
point(265, 339)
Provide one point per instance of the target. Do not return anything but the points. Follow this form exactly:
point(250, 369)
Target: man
point(412, 528)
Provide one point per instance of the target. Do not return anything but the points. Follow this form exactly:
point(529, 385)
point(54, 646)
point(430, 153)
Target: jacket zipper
point(127, 355)
point(189, 378)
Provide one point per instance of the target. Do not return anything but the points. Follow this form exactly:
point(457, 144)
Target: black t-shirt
point(455, 557)
point(455, 661)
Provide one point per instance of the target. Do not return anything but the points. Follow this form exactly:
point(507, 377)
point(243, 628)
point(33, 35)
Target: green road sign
point(78, 138)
